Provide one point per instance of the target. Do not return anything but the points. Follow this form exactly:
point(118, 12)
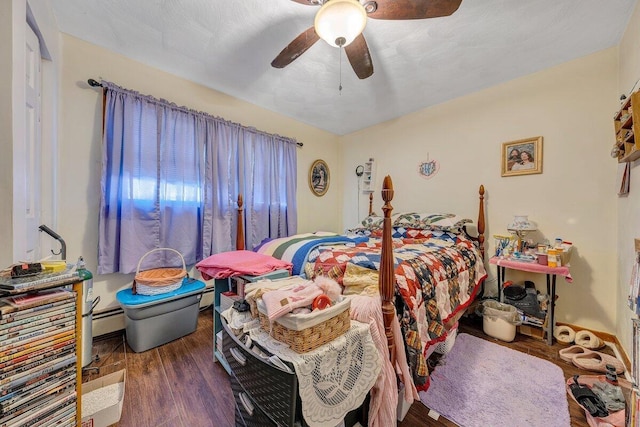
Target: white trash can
point(88, 303)
point(499, 320)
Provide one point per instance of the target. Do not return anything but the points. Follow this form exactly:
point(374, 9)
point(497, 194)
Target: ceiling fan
point(340, 23)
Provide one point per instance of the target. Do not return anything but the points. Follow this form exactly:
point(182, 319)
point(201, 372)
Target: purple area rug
point(480, 384)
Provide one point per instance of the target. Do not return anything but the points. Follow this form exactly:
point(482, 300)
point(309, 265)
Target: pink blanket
point(237, 263)
point(384, 394)
point(282, 301)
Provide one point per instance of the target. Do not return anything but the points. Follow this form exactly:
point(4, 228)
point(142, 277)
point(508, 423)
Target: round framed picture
point(319, 177)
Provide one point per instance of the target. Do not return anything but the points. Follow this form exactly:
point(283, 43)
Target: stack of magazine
point(10, 285)
point(38, 358)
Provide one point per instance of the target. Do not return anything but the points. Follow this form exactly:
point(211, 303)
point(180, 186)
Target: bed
point(426, 277)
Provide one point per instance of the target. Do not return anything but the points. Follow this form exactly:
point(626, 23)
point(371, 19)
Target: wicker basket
point(253, 307)
point(158, 280)
point(312, 337)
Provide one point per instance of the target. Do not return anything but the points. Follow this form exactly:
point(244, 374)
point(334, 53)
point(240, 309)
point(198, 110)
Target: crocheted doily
point(334, 378)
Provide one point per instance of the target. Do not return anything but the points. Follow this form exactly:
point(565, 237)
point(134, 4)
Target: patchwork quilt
point(437, 275)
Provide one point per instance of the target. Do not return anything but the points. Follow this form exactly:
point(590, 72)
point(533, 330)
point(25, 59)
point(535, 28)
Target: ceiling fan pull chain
point(340, 84)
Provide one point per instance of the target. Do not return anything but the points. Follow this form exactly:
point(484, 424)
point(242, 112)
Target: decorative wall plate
point(429, 168)
point(319, 177)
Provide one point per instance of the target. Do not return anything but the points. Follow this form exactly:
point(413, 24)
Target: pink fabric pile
point(237, 263)
point(285, 300)
point(282, 301)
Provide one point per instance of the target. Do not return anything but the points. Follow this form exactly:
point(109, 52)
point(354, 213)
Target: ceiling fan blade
point(307, 2)
point(359, 57)
point(413, 9)
point(296, 48)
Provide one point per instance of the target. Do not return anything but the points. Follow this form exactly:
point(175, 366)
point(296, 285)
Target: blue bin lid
point(189, 286)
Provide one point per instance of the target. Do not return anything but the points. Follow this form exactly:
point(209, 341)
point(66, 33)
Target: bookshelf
point(369, 176)
point(41, 349)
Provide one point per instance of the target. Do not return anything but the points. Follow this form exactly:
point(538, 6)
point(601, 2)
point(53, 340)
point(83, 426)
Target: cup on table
point(543, 259)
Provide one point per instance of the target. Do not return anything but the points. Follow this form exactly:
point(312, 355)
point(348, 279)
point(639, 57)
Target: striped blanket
point(296, 249)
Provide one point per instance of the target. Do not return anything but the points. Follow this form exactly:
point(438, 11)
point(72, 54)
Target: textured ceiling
point(228, 45)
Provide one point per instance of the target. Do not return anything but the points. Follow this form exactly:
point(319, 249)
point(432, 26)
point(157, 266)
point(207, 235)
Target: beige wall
point(628, 208)
point(80, 147)
point(571, 106)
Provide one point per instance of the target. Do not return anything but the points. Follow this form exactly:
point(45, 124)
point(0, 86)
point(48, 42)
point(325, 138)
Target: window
point(171, 177)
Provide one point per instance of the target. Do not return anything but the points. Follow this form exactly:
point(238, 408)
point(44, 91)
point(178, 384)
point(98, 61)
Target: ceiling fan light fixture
point(339, 22)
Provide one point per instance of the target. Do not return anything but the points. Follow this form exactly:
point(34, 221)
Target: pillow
point(407, 219)
point(431, 221)
point(358, 232)
point(372, 222)
point(426, 221)
point(444, 222)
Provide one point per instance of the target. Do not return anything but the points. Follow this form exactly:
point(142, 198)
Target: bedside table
point(502, 264)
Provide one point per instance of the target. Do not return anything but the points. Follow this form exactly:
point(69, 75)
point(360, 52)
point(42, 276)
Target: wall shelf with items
point(369, 177)
point(627, 126)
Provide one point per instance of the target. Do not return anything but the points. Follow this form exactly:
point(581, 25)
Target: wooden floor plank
point(179, 385)
point(201, 403)
point(200, 346)
point(148, 396)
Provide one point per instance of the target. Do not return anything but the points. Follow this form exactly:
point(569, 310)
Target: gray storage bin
point(153, 320)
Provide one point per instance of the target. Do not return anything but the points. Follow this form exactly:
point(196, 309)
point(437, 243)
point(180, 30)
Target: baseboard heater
point(115, 311)
point(103, 314)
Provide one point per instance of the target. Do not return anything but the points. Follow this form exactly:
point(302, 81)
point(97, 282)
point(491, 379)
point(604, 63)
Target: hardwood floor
point(175, 385)
point(179, 385)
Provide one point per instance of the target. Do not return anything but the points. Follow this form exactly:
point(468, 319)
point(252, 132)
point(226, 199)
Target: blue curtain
point(171, 177)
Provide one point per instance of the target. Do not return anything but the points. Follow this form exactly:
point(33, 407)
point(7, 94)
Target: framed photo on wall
point(319, 178)
point(522, 157)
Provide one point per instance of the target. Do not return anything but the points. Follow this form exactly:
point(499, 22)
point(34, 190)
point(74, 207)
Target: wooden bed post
point(481, 221)
point(240, 233)
point(386, 278)
point(370, 203)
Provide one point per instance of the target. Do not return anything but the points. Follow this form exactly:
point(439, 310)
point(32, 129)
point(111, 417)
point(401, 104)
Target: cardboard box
point(103, 416)
point(531, 331)
point(538, 332)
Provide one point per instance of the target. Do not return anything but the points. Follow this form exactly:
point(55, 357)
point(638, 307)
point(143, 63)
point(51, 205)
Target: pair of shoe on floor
point(590, 360)
point(587, 339)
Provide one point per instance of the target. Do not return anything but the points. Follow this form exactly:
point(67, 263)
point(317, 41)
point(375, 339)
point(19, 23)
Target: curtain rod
point(95, 83)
